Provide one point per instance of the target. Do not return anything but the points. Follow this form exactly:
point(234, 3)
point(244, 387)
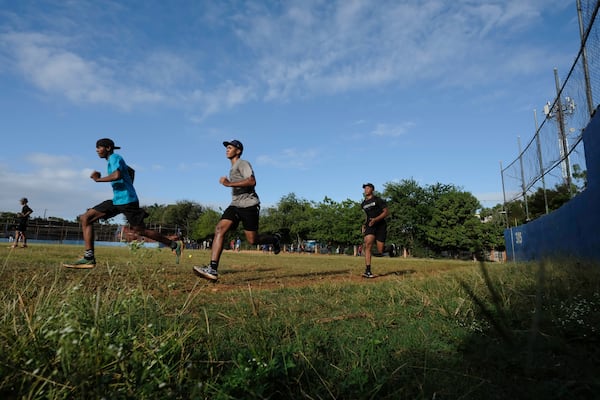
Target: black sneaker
point(207, 273)
point(277, 243)
point(368, 274)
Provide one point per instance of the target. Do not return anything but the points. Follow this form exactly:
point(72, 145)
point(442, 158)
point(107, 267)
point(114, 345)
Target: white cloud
point(279, 53)
point(387, 130)
point(290, 159)
point(46, 63)
point(52, 185)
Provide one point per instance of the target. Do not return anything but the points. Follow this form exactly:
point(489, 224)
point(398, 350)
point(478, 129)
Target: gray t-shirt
point(242, 196)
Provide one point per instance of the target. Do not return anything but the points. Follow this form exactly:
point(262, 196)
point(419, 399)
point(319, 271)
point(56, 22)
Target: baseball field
point(139, 326)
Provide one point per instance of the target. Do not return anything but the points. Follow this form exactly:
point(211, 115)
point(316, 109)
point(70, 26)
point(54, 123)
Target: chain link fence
point(554, 157)
point(48, 230)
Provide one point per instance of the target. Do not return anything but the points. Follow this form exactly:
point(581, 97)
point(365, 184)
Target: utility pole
point(560, 111)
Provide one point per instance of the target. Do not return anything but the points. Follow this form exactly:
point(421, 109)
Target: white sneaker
point(206, 273)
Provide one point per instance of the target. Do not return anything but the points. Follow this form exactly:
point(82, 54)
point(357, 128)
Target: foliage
point(423, 220)
point(183, 214)
point(453, 224)
point(204, 226)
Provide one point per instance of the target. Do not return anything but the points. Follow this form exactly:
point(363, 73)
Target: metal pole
point(539, 151)
point(523, 180)
point(562, 134)
point(504, 209)
point(586, 72)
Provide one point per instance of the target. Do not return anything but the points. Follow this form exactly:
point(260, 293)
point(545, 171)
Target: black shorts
point(22, 226)
point(379, 230)
point(248, 216)
point(132, 211)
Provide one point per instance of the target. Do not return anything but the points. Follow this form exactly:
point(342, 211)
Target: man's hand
point(224, 181)
point(95, 175)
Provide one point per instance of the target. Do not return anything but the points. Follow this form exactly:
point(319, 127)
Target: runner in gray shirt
point(244, 208)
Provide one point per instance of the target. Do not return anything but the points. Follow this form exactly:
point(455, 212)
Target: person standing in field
point(244, 208)
point(23, 221)
point(375, 227)
point(125, 201)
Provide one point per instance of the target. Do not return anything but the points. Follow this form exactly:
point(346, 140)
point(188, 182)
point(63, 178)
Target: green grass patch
point(138, 326)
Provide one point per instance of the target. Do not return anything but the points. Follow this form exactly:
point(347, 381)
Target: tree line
point(427, 221)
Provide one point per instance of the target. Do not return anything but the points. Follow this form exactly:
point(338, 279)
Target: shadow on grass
point(543, 346)
point(399, 273)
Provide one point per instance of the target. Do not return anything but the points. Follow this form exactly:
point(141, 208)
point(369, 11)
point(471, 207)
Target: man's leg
point(221, 230)
point(174, 245)
point(369, 240)
point(210, 271)
point(87, 226)
point(255, 238)
point(16, 242)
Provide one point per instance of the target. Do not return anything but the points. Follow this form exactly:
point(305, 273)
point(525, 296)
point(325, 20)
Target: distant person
point(125, 201)
point(22, 222)
point(244, 208)
point(375, 226)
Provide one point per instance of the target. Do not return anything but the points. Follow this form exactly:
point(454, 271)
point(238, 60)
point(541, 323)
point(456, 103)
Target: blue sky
point(325, 95)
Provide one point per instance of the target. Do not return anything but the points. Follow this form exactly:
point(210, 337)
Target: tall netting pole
point(523, 187)
point(504, 209)
point(541, 162)
point(586, 71)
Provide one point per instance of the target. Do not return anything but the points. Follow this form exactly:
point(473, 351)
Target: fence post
point(523, 187)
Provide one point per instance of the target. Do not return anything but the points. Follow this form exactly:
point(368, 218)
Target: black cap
point(106, 142)
point(235, 143)
point(369, 184)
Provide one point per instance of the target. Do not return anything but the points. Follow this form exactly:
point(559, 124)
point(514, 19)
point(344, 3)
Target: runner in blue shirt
point(125, 201)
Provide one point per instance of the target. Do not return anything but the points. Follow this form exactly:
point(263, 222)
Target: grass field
point(138, 326)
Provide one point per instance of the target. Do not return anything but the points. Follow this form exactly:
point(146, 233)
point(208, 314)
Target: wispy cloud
point(51, 184)
point(280, 53)
point(290, 159)
point(46, 62)
point(388, 130)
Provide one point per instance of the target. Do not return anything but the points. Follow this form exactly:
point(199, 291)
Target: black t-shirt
point(25, 212)
point(373, 207)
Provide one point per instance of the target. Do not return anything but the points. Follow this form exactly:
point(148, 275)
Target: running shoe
point(368, 274)
point(206, 273)
point(83, 263)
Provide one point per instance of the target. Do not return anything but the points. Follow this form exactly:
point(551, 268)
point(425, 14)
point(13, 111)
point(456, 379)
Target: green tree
point(409, 209)
point(290, 213)
point(454, 226)
point(204, 226)
point(183, 214)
